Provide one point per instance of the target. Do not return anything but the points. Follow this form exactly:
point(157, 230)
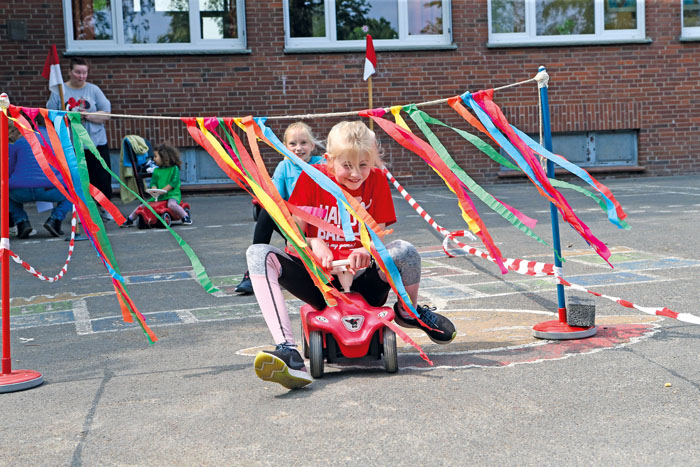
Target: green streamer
point(421, 119)
point(84, 138)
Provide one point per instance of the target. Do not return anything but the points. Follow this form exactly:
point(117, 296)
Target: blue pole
point(547, 132)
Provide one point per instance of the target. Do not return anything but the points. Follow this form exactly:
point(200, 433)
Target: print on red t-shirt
point(374, 194)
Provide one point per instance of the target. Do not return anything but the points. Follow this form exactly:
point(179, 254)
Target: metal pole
point(554, 215)
point(5, 235)
point(559, 328)
point(10, 380)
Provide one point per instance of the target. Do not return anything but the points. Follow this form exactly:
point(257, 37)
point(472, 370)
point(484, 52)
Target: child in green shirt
point(166, 177)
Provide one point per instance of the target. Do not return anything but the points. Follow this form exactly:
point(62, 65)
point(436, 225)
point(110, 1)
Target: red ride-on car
point(145, 218)
point(346, 332)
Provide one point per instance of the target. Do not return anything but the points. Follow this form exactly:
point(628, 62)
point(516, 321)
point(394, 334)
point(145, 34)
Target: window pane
point(156, 21)
point(424, 17)
point(357, 18)
point(691, 13)
point(507, 16)
point(620, 14)
point(307, 18)
point(563, 17)
point(92, 20)
point(218, 19)
point(616, 148)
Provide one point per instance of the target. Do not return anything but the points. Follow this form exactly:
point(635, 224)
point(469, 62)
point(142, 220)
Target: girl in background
point(166, 177)
point(299, 139)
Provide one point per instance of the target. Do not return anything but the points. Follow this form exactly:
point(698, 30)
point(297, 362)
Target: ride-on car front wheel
point(167, 218)
point(316, 353)
point(391, 359)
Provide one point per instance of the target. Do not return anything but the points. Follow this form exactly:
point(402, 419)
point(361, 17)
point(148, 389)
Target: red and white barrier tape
point(30, 269)
point(530, 268)
point(521, 266)
point(685, 317)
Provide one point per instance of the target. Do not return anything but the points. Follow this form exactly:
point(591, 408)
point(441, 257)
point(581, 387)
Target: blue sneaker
point(436, 321)
point(284, 366)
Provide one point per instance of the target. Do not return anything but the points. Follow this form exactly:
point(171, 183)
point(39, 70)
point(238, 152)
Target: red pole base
point(18, 380)
point(557, 330)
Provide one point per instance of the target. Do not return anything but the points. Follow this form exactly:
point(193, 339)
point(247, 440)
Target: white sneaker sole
point(270, 368)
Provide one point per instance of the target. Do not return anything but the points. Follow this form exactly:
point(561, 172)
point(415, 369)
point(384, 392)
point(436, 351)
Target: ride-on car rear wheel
point(140, 223)
point(316, 353)
point(391, 360)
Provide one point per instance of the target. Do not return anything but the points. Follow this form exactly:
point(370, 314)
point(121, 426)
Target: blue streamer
point(574, 169)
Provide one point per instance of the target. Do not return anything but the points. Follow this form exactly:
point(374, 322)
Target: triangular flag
point(52, 70)
point(370, 59)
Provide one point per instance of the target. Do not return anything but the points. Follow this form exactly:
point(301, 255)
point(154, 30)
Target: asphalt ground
point(496, 396)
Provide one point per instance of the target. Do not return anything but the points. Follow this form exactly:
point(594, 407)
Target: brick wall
point(649, 87)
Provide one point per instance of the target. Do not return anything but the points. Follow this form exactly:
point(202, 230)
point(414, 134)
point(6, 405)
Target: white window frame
point(116, 45)
point(600, 36)
point(688, 33)
point(405, 41)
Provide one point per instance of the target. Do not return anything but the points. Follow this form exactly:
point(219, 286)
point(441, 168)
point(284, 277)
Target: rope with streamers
point(30, 269)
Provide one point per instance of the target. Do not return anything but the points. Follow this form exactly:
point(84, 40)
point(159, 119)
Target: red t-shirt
point(374, 194)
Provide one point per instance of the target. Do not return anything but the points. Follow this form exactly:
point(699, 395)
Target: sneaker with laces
point(434, 320)
point(284, 366)
point(245, 287)
point(127, 223)
point(187, 220)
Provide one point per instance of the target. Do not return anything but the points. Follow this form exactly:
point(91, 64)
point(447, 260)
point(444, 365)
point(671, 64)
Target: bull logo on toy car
point(353, 323)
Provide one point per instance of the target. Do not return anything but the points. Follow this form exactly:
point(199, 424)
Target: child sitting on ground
point(166, 177)
point(353, 160)
point(299, 139)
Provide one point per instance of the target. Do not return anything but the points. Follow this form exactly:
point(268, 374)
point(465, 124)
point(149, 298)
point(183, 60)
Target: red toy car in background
point(146, 220)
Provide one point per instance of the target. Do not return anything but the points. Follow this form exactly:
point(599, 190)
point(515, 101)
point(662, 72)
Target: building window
point(154, 26)
point(594, 148)
point(343, 24)
point(538, 22)
point(690, 19)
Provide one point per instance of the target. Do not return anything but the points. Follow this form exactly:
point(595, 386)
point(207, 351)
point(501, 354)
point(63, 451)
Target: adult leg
point(17, 198)
point(99, 177)
point(63, 206)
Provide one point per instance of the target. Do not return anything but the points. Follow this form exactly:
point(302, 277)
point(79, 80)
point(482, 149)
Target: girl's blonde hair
point(168, 155)
point(303, 127)
point(353, 142)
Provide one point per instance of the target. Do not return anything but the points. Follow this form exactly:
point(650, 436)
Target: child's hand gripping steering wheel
point(340, 269)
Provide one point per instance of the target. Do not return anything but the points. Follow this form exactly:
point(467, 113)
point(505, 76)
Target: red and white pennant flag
point(370, 59)
point(52, 71)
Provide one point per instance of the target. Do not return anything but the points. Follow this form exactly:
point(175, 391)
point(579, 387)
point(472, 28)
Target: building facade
point(623, 90)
